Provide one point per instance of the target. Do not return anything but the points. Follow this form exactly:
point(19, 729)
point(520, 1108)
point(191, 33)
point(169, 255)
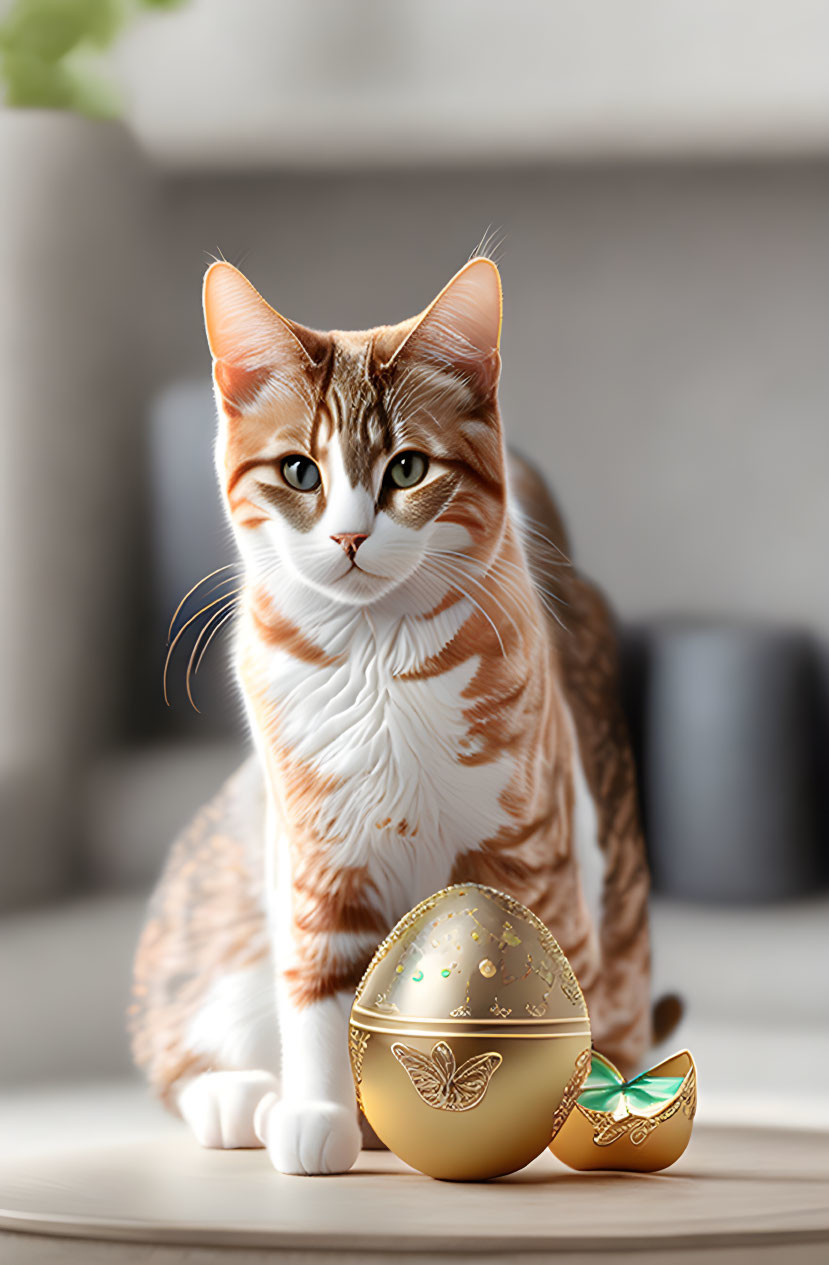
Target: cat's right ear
point(251, 343)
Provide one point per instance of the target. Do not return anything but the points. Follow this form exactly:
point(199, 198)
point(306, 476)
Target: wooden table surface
point(738, 1194)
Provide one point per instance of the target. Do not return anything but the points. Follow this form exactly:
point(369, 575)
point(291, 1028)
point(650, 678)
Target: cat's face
point(359, 462)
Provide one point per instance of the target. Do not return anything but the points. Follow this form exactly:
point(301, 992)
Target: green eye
point(407, 469)
point(300, 473)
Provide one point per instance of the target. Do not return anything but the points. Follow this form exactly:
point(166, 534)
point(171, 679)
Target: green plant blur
point(51, 52)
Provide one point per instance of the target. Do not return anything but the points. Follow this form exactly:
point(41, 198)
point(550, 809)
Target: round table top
point(734, 1187)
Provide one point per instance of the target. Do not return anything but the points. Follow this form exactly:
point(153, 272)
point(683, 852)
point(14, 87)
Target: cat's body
point(419, 713)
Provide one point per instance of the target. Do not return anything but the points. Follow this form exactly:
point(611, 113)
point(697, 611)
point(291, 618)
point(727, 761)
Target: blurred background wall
point(657, 175)
point(664, 343)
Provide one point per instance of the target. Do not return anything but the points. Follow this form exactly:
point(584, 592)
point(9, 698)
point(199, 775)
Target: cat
point(432, 694)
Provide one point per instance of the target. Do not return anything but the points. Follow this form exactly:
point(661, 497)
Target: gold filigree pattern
point(357, 1042)
point(561, 972)
point(688, 1097)
point(508, 903)
point(519, 953)
point(552, 969)
point(564, 975)
point(568, 983)
point(397, 933)
point(639, 1128)
point(440, 1082)
point(572, 1090)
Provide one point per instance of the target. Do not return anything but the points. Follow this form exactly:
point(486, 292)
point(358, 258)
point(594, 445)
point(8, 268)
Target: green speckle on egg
point(417, 977)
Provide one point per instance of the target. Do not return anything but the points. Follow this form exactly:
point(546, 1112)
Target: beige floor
point(736, 1191)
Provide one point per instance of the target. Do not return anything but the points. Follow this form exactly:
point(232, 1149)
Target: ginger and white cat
point(420, 717)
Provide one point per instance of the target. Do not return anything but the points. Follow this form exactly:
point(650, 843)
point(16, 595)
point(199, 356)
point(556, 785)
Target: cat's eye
point(301, 473)
point(407, 469)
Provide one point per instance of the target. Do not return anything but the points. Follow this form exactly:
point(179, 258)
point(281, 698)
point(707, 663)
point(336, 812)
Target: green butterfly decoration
point(604, 1090)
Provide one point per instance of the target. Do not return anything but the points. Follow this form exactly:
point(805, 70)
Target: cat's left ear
point(461, 328)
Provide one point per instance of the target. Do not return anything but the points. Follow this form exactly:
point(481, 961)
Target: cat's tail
point(666, 1016)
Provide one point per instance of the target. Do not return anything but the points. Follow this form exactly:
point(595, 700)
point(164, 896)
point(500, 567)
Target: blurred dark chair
point(726, 719)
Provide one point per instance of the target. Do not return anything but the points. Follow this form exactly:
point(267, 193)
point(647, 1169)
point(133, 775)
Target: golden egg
point(469, 1036)
point(640, 1125)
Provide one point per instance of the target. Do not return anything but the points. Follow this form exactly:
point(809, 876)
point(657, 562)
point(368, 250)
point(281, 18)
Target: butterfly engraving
point(440, 1082)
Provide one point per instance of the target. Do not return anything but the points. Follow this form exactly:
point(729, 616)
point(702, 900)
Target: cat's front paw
point(308, 1137)
point(219, 1107)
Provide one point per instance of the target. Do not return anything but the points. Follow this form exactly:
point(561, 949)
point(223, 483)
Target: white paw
point(308, 1137)
point(219, 1107)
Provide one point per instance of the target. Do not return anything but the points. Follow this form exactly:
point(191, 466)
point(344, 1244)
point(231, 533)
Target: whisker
point(531, 570)
point(519, 591)
point(454, 584)
point(181, 631)
point(540, 547)
point(540, 591)
point(528, 569)
point(534, 527)
point(222, 611)
point(474, 579)
point(522, 572)
point(498, 569)
point(189, 593)
point(228, 579)
point(220, 624)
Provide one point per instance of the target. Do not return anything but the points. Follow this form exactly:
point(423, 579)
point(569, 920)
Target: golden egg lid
point(471, 956)
point(640, 1125)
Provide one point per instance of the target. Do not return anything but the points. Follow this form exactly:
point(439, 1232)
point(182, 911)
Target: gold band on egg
point(496, 1024)
point(495, 1032)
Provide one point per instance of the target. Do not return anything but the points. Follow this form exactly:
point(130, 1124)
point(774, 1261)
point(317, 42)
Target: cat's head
point(357, 462)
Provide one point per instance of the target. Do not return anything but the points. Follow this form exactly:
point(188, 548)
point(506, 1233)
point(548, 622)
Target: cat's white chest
point(401, 799)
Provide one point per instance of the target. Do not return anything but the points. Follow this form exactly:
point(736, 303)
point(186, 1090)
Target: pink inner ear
point(238, 386)
point(470, 307)
point(242, 329)
point(462, 326)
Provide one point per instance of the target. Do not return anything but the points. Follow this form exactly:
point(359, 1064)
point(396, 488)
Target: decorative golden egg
point(469, 1036)
point(639, 1126)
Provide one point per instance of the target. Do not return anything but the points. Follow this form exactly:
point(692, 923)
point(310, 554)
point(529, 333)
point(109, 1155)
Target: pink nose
point(350, 541)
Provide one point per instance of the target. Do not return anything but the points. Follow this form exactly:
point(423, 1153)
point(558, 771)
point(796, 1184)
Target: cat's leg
point(203, 1017)
point(313, 1127)
point(235, 1028)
